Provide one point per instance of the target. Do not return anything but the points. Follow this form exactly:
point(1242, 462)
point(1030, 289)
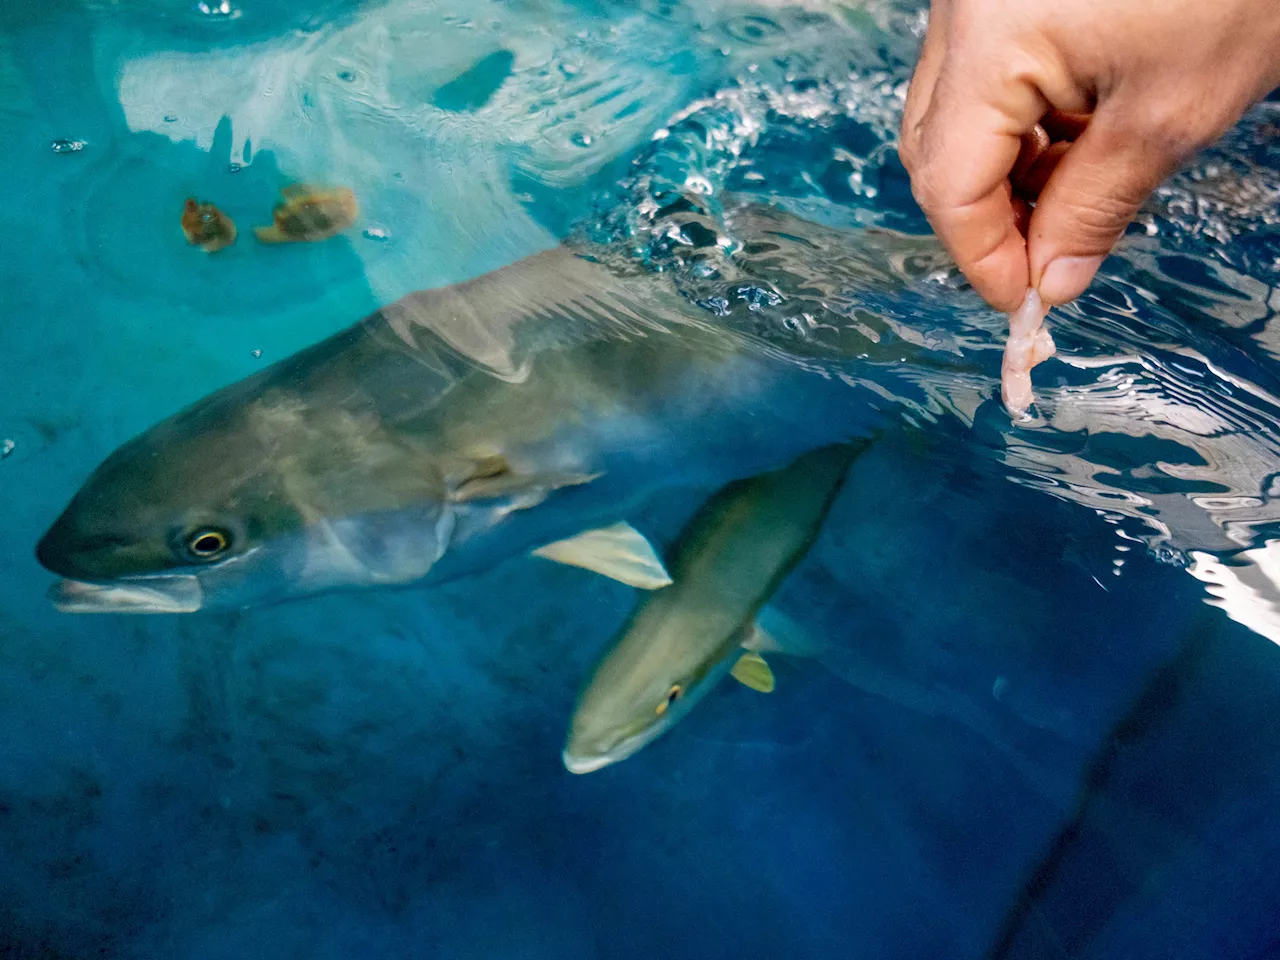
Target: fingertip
point(1002, 277)
point(1090, 195)
point(1065, 278)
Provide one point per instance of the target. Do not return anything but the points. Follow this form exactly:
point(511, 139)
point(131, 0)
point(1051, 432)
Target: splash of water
point(1164, 405)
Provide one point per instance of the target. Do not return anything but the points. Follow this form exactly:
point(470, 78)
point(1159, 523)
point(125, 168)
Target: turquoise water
point(1029, 735)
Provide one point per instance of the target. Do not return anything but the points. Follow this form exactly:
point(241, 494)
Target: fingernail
point(1066, 278)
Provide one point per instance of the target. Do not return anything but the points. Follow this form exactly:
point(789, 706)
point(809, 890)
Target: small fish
point(730, 558)
point(207, 227)
point(310, 213)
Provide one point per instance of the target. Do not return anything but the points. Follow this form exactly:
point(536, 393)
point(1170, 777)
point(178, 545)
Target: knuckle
point(1173, 130)
point(1096, 219)
point(928, 189)
point(907, 153)
point(910, 136)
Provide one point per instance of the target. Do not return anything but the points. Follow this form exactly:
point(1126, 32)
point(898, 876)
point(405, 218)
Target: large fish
point(680, 641)
point(375, 456)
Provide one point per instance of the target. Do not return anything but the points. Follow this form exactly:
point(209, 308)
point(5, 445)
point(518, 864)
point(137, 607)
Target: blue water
point(1031, 736)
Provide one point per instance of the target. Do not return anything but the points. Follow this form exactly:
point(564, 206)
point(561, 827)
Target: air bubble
point(1172, 556)
point(757, 297)
point(170, 118)
point(67, 145)
point(376, 232)
point(717, 305)
point(581, 139)
point(217, 9)
point(7, 447)
point(753, 29)
point(257, 354)
point(699, 185)
point(234, 167)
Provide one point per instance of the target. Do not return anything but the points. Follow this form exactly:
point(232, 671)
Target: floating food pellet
point(257, 354)
point(375, 231)
point(207, 227)
point(310, 213)
point(6, 448)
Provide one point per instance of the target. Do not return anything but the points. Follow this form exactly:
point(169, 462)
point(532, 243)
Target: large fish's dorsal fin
point(498, 320)
point(619, 552)
point(752, 671)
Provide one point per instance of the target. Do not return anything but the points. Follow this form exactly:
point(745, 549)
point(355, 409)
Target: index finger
point(968, 146)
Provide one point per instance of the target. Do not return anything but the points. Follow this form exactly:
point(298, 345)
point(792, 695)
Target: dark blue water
point(1029, 737)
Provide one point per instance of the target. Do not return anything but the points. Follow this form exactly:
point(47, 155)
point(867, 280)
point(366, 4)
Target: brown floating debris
point(206, 226)
point(310, 213)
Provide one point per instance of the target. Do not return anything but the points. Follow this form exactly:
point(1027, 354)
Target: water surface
point(1032, 737)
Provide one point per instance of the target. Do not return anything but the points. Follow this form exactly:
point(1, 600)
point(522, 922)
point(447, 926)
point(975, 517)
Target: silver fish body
point(730, 559)
point(416, 443)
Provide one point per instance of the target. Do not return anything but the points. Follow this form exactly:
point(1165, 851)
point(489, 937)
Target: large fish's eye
point(674, 694)
point(207, 543)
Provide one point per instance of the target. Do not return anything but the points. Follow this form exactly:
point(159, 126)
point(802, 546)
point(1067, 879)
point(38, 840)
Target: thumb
point(1093, 193)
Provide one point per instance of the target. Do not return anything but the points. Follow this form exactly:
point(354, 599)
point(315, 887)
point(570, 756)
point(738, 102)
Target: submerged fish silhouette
point(417, 441)
point(680, 641)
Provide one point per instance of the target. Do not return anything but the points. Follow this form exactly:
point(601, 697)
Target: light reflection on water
point(1011, 669)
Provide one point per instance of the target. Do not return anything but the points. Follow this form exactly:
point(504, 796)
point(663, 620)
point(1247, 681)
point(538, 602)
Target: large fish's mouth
point(170, 593)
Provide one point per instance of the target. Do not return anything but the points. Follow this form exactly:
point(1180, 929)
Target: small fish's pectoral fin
point(752, 671)
point(619, 552)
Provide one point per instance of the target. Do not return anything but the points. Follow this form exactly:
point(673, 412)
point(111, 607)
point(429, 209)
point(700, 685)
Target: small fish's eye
point(207, 217)
point(674, 694)
point(208, 543)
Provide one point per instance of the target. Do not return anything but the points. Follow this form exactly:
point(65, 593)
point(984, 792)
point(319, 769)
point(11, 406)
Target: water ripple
point(781, 209)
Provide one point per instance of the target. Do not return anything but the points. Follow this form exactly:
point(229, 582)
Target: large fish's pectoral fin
point(492, 478)
point(619, 552)
point(752, 671)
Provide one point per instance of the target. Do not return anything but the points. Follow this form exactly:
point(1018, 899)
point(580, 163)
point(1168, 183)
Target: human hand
point(1128, 89)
